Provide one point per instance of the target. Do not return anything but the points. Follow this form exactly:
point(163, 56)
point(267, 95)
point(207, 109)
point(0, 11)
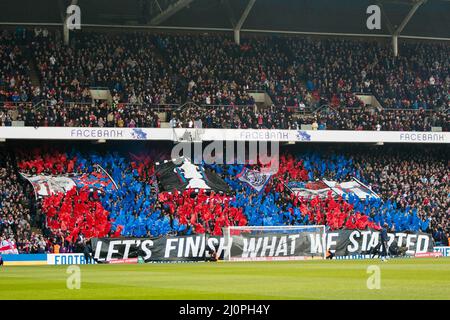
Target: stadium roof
point(431, 19)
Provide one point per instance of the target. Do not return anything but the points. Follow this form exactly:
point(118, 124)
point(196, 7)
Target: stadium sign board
point(197, 247)
point(72, 133)
point(36, 259)
point(78, 258)
point(428, 255)
point(67, 259)
point(445, 251)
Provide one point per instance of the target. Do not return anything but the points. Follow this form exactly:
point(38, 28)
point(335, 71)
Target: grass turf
point(337, 279)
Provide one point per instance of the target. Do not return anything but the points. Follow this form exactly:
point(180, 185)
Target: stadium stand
point(190, 80)
point(15, 84)
point(413, 185)
point(135, 161)
point(144, 72)
point(16, 230)
point(127, 64)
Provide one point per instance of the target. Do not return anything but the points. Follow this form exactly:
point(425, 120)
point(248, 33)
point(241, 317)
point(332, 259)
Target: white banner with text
point(179, 134)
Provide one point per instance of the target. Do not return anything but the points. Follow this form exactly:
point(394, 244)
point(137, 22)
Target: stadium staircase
point(159, 54)
point(301, 79)
point(261, 97)
point(162, 56)
point(34, 71)
point(369, 100)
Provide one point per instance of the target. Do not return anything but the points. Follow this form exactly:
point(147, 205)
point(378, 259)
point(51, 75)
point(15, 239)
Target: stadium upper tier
point(152, 75)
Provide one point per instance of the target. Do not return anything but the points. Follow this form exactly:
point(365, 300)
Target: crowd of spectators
point(102, 114)
point(415, 178)
point(16, 234)
point(213, 70)
point(277, 206)
point(342, 118)
point(127, 64)
point(418, 78)
point(233, 117)
point(413, 184)
point(142, 70)
point(15, 83)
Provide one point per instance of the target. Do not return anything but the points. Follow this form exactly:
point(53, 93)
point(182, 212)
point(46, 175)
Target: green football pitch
point(337, 279)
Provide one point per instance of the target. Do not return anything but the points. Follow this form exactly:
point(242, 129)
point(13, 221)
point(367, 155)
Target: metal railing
point(175, 106)
point(14, 109)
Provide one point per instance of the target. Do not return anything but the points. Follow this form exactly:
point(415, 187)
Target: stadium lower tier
point(150, 77)
point(53, 195)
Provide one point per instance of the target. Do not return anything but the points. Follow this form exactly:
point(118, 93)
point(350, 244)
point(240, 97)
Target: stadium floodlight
point(275, 243)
